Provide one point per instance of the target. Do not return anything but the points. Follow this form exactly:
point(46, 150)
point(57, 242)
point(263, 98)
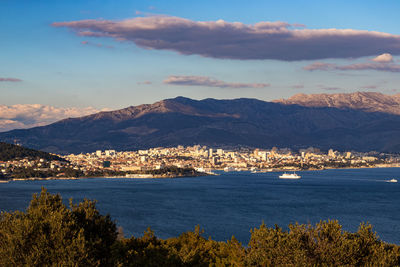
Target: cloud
point(31, 115)
point(372, 66)
point(384, 58)
point(96, 44)
point(145, 83)
point(236, 40)
point(209, 82)
point(388, 67)
point(10, 80)
point(298, 86)
point(320, 66)
point(328, 88)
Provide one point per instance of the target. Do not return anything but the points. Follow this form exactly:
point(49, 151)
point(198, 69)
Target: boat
point(229, 169)
point(289, 176)
point(392, 181)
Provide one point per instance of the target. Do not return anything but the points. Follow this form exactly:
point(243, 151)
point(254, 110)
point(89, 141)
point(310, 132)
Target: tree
point(49, 234)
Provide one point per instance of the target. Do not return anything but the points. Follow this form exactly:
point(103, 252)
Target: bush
point(49, 233)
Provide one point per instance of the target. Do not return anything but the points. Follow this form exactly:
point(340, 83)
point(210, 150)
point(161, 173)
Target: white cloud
point(384, 58)
point(22, 116)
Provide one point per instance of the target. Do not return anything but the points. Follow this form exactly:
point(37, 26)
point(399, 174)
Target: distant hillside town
point(183, 161)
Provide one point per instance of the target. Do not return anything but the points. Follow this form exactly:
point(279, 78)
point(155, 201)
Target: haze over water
point(232, 203)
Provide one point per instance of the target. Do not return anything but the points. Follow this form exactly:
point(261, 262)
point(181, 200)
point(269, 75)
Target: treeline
point(11, 152)
point(49, 233)
point(30, 172)
point(173, 171)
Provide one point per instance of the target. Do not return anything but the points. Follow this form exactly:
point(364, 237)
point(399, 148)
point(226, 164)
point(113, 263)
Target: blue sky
point(56, 66)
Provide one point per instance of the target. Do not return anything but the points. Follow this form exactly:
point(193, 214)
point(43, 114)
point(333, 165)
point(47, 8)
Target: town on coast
point(188, 161)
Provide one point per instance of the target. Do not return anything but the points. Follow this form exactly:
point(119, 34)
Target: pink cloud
point(372, 66)
point(384, 58)
point(236, 40)
point(10, 80)
point(320, 66)
point(388, 67)
point(209, 82)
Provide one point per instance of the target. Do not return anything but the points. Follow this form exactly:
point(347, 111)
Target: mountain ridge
point(367, 101)
point(237, 122)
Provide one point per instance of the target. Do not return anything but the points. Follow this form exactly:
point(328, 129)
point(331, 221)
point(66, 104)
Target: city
point(204, 160)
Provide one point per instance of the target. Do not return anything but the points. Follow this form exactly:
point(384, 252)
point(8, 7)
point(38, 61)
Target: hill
point(10, 152)
point(237, 122)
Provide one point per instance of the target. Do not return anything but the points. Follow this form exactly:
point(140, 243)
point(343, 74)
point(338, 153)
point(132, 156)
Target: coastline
point(160, 176)
point(130, 176)
point(313, 169)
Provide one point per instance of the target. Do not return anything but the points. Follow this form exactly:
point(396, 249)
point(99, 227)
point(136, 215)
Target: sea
point(232, 203)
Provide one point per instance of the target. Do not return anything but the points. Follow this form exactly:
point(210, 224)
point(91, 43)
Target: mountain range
point(362, 121)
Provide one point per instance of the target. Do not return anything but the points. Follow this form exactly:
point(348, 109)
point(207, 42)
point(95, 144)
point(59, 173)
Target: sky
point(70, 58)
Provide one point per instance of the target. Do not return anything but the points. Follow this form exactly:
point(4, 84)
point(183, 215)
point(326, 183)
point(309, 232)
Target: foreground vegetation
point(49, 233)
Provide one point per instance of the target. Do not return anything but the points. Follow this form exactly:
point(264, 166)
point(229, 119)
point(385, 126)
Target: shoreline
point(131, 176)
point(151, 176)
point(298, 170)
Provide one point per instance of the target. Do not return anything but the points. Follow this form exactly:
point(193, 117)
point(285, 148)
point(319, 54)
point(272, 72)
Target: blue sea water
point(232, 203)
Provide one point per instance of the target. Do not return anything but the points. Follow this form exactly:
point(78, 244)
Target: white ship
point(392, 181)
point(289, 176)
point(229, 169)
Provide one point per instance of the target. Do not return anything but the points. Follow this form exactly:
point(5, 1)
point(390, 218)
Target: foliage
point(49, 233)
point(324, 244)
point(174, 171)
point(11, 152)
point(30, 172)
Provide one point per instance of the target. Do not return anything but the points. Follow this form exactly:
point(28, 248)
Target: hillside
point(244, 122)
point(10, 152)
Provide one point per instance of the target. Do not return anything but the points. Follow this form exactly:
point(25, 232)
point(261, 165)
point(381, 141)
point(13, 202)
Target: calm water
point(232, 203)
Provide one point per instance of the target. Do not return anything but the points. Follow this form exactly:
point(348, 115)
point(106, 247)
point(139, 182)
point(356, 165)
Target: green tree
point(50, 234)
point(147, 250)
